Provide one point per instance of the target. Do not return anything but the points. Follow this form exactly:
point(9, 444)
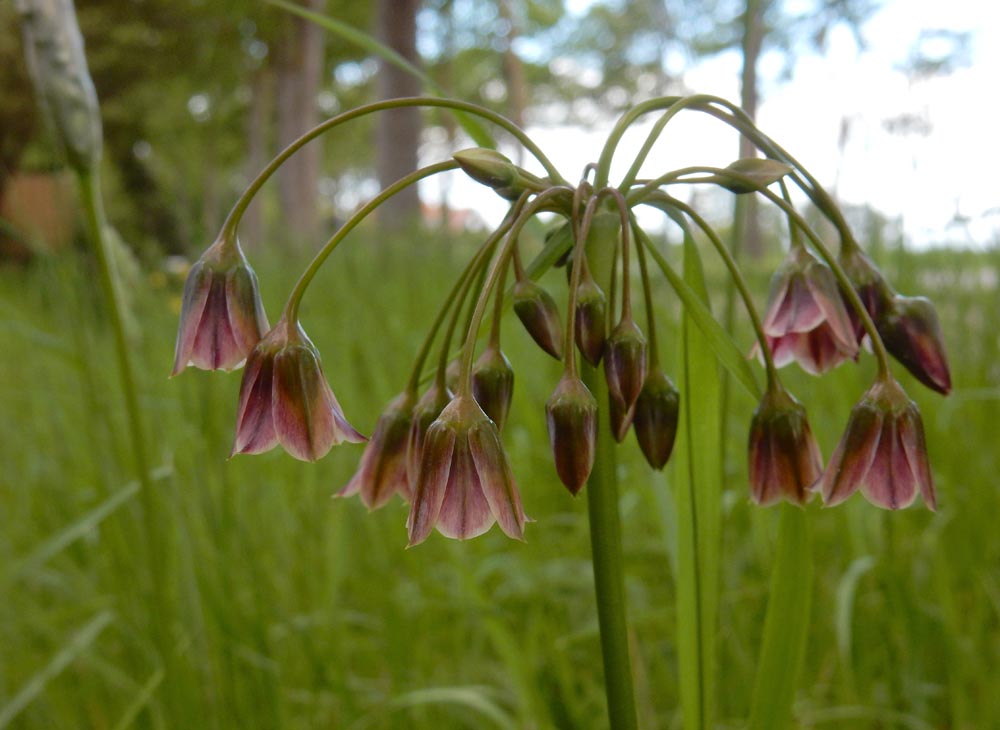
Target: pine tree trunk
point(397, 135)
point(257, 131)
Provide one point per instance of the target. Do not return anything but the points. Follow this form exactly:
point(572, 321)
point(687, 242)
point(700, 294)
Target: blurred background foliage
point(287, 610)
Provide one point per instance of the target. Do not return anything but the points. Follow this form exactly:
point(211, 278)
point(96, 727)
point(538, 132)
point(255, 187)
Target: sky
point(942, 186)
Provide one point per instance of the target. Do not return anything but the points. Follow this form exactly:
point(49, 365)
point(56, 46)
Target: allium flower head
point(784, 459)
point(493, 384)
point(625, 362)
point(655, 419)
point(285, 399)
point(806, 320)
point(382, 471)
point(571, 415)
point(882, 451)
point(538, 313)
point(222, 316)
point(910, 330)
point(465, 482)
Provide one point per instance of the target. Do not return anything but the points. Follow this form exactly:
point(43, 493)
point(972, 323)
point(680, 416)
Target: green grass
point(289, 609)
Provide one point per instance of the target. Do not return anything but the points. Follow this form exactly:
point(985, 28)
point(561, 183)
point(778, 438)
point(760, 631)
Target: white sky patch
point(942, 185)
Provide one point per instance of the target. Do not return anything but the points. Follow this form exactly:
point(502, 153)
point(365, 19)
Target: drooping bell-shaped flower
point(382, 471)
point(465, 482)
point(784, 458)
point(911, 332)
point(426, 411)
point(872, 288)
point(806, 320)
point(493, 384)
point(571, 416)
point(538, 313)
point(625, 362)
point(882, 452)
point(222, 317)
point(655, 419)
point(285, 399)
point(589, 324)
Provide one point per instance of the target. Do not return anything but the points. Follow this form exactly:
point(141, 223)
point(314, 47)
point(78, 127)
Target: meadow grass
point(288, 609)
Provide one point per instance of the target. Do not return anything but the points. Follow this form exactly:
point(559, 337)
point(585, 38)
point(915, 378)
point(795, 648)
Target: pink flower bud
point(911, 332)
point(589, 324)
point(285, 399)
point(882, 451)
point(806, 320)
point(625, 362)
point(870, 285)
point(427, 410)
point(537, 311)
point(222, 317)
point(493, 384)
point(571, 415)
point(465, 482)
point(785, 460)
point(655, 419)
point(382, 471)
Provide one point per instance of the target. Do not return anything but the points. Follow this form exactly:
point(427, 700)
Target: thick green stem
point(151, 519)
point(609, 570)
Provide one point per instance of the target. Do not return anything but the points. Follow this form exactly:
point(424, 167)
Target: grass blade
point(698, 497)
point(78, 643)
point(786, 626)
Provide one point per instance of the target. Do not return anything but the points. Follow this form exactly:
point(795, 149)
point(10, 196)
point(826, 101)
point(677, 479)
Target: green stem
point(292, 306)
point(741, 285)
point(233, 219)
point(609, 571)
point(151, 521)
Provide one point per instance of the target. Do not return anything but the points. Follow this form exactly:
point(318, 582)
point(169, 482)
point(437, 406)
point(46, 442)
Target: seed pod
point(571, 415)
point(655, 420)
point(493, 385)
point(589, 323)
point(54, 50)
point(537, 311)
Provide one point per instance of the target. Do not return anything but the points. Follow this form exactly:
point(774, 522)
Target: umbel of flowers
point(441, 448)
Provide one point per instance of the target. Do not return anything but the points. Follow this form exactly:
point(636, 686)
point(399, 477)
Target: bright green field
point(286, 609)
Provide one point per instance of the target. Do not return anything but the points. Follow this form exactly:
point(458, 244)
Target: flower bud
point(872, 288)
point(571, 415)
point(760, 171)
point(882, 452)
point(619, 417)
point(285, 399)
point(625, 362)
point(589, 323)
point(222, 317)
point(382, 471)
point(912, 334)
point(428, 408)
point(493, 384)
point(784, 458)
point(496, 171)
point(655, 420)
point(465, 482)
point(537, 311)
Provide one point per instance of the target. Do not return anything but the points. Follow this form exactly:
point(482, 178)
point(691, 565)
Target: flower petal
point(465, 513)
point(496, 479)
point(196, 288)
point(890, 482)
point(853, 456)
point(429, 492)
point(255, 432)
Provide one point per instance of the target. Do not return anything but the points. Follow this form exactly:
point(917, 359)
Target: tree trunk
point(753, 37)
point(397, 135)
point(299, 62)
point(513, 71)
